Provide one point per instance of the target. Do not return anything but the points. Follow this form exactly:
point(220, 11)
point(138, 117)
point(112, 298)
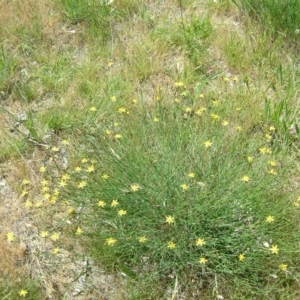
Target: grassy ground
point(155, 143)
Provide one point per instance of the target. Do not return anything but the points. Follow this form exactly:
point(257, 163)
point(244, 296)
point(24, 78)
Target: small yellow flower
point(28, 204)
point(207, 144)
point(191, 175)
point(25, 182)
point(215, 117)
point(10, 236)
point(81, 184)
point(84, 160)
point(44, 234)
point(235, 78)
point(54, 237)
point(91, 169)
point(238, 109)
point(270, 219)
point(184, 186)
point(226, 79)
point(264, 150)
point(171, 245)
point(65, 142)
point(53, 199)
point(201, 96)
point(107, 132)
point(111, 241)
point(176, 101)
point(268, 137)
point(239, 128)
point(241, 257)
point(272, 163)
point(62, 183)
point(179, 83)
point(56, 192)
point(134, 101)
point(250, 159)
point(105, 176)
point(274, 249)
point(114, 203)
point(71, 210)
point(78, 169)
point(122, 212)
point(216, 103)
point(38, 204)
point(43, 169)
point(101, 203)
point(93, 108)
point(65, 177)
point(200, 242)
point(169, 219)
point(23, 293)
point(272, 172)
point(283, 267)
point(134, 187)
point(55, 149)
point(118, 136)
point(113, 98)
point(122, 110)
point(203, 260)
point(272, 128)
point(156, 120)
point(188, 109)
point(245, 178)
point(24, 193)
point(142, 239)
point(200, 111)
point(55, 250)
point(79, 231)
point(225, 123)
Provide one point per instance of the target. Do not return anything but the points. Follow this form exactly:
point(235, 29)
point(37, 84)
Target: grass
point(161, 142)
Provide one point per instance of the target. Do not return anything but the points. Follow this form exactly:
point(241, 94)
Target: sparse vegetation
point(156, 145)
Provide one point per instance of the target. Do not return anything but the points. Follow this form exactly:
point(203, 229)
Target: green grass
point(183, 178)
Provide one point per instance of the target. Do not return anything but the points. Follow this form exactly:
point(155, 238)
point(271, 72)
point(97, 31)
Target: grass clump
point(277, 17)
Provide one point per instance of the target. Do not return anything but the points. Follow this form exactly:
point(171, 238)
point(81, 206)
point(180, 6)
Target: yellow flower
point(79, 231)
point(43, 169)
point(122, 110)
point(38, 204)
point(191, 175)
point(176, 100)
point(216, 103)
point(91, 169)
point(272, 172)
point(44, 234)
point(274, 249)
point(62, 183)
point(93, 108)
point(65, 177)
point(241, 257)
point(169, 219)
point(264, 150)
point(55, 149)
point(184, 186)
point(23, 293)
point(134, 101)
point(200, 242)
point(202, 260)
point(239, 128)
point(245, 178)
point(113, 98)
point(179, 83)
point(200, 111)
point(270, 219)
point(225, 123)
point(201, 96)
point(81, 184)
point(78, 169)
point(111, 241)
point(226, 79)
point(188, 109)
point(171, 245)
point(268, 137)
point(10, 236)
point(114, 203)
point(55, 250)
point(118, 136)
point(25, 182)
point(122, 212)
point(215, 117)
point(142, 239)
point(101, 203)
point(250, 159)
point(28, 204)
point(105, 176)
point(24, 193)
point(156, 120)
point(283, 267)
point(272, 163)
point(207, 144)
point(272, 128)
point(107, 132)
point(134, 187)
point(56, 192)
point(84, 160)
point(65, 142)
point(54, 237)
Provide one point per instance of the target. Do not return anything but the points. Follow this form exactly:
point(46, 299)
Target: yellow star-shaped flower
point(22, 293)
point(169, 219)
point(274, 249)
point(171, 245)
point(270, 219)
point(203, 260)
point(200, 242)
point(241, 257)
